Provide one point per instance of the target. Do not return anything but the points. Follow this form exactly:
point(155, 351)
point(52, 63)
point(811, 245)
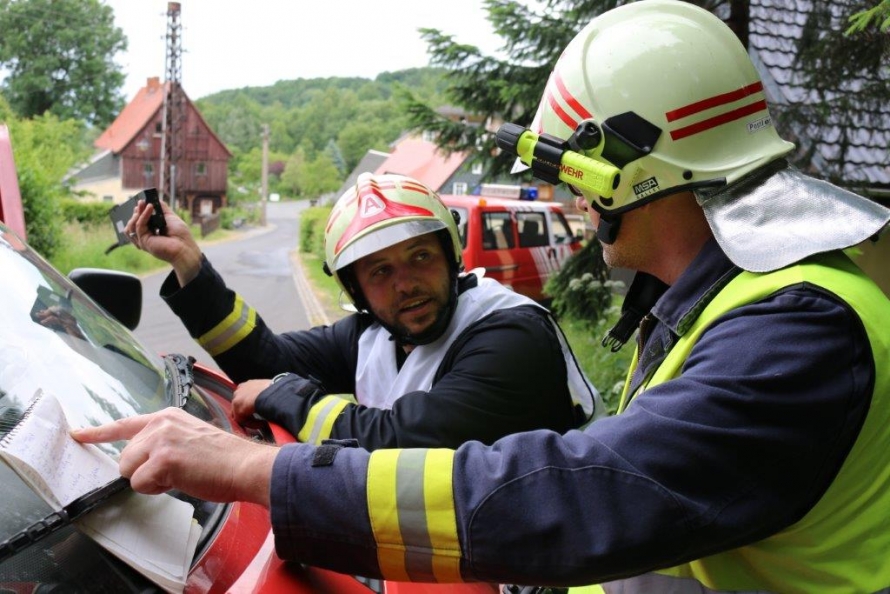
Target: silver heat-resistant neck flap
point(777, 216)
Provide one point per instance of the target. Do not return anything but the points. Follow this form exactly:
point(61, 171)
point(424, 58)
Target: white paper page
point(155, 534)
point(66, 468)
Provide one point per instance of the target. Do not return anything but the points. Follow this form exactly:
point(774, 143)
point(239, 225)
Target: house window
point(107, 198)
point(148, 171)
point(429, 136)
point(476, 169)
point(159, 127)
point(459, 188)
point(201, 168)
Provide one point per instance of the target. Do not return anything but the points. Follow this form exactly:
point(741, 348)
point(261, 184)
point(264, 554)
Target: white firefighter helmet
point(675, 94)
point(380, 211)
point(681, 107)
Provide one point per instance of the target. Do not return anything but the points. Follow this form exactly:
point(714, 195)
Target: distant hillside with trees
point(319, 128)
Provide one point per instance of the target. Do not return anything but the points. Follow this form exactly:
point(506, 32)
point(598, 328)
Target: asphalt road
point(258, 264)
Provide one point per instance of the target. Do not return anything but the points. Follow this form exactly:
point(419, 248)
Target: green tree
point(291, 178)
point(356, 138)
point(59, 55)
point(333, 151)
point(44, 149)
point(320, 176)
point(237, 121)
point(847, 79)
point(495, 88)
point(879, 14)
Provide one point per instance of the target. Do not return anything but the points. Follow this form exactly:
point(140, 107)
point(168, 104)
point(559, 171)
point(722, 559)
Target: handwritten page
point(156, 535)
point(59, 468)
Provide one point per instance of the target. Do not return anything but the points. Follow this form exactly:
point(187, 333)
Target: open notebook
point(154, 534)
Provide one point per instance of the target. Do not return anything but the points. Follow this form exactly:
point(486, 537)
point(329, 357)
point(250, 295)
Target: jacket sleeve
point(237, 338)
point(503, 375)
point(738, 447)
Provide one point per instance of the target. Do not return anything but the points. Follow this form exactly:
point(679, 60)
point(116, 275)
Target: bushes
point(583, 299)
point(88, 213)
point(231, 218)
point(582, 289)
point(312, 224)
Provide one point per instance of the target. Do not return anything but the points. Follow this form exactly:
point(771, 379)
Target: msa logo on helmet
point(764, 122)
point(646, 187)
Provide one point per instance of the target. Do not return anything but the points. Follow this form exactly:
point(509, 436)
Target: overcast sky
point(230, 44)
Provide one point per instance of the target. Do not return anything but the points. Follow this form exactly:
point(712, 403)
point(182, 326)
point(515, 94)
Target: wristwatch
point(280, 377)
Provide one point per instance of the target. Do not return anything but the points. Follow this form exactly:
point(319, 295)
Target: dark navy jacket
point(504, 374)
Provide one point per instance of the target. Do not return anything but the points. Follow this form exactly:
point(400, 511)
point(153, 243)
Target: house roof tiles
point(133, 117)
point(851, 145)
point(421, 159)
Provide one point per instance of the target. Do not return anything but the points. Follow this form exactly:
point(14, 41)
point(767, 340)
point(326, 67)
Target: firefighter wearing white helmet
point(377, 213)
point(752, 448)
point(427, 357)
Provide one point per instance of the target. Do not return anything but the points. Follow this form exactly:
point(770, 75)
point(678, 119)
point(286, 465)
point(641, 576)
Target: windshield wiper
point(179, 370)
point(61, 518)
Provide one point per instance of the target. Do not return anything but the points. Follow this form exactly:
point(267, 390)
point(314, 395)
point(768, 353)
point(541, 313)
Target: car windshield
point(56, 340)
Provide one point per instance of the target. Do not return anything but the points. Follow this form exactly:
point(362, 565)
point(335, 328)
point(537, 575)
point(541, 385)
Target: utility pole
point(265, 175)
point(171, 140)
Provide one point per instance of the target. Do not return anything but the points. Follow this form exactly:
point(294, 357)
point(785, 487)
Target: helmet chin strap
point(607, 230)
point(642, 294)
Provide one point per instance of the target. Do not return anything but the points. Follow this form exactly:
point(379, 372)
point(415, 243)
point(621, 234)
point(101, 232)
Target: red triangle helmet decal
point(373, 207)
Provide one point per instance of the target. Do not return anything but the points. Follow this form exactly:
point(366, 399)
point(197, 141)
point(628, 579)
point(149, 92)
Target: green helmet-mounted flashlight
point(554, 160)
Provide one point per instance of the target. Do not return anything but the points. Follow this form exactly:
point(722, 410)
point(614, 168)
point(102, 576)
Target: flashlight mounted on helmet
point(554, 160)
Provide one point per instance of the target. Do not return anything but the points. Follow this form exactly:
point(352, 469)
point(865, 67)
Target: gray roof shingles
point(851, 146)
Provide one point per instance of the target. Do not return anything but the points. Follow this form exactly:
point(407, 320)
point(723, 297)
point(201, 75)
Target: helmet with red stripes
point(672, 98)
point(378, 212)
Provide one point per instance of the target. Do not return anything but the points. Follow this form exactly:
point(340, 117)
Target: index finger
point(121, 429)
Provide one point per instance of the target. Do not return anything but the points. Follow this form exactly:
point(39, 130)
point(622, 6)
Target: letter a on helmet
point(381, 211)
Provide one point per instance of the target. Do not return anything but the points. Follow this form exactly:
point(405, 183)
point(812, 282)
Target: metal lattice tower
point(174, 109)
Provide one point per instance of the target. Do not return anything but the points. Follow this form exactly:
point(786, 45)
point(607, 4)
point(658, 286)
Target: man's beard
point(434, 330)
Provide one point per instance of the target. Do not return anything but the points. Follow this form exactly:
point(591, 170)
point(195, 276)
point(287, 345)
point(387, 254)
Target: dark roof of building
point(851, 146)
point(369, 163)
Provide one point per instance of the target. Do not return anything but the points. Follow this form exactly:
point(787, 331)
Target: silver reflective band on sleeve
point(411, 507)
point(320, 420)
point(231, 330)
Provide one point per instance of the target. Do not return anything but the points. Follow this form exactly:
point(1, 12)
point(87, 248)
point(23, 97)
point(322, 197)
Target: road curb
point(314, 310)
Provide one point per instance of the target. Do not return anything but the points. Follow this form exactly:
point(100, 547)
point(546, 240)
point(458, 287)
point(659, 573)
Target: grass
point(84, 246)
point(325, 287)
point(604, 368)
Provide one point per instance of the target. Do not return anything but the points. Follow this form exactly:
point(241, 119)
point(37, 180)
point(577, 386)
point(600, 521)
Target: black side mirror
point(119, 293)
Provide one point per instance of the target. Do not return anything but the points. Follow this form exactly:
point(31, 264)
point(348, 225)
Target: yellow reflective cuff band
point(231, 330)
point(384, 515)
point(411, 507)
point(320, 420)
